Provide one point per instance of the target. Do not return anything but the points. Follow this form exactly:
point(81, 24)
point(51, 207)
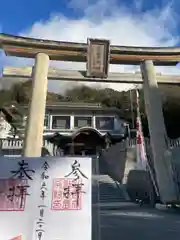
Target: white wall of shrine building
point(66, 118)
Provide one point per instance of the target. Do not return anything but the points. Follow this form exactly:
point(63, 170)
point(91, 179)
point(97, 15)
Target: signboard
point(45, 198)
point(98, 58)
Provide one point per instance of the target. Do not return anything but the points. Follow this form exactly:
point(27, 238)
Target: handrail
point(18, 143)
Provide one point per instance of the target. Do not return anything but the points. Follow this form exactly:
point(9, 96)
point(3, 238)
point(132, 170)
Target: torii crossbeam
point(77, 52)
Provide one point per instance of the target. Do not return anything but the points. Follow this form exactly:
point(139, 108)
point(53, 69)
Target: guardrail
point(18, 143)
point(172, 143)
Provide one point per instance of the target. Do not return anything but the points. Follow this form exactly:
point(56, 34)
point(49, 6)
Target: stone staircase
point(109, 190)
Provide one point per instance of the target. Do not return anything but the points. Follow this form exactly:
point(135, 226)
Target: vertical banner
point(142, 161)
point(140, 143)
point(45, 198)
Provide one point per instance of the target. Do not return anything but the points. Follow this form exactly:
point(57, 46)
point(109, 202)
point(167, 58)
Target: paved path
point(131, 222)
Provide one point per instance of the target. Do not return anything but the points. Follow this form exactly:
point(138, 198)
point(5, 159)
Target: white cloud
point(100, 19)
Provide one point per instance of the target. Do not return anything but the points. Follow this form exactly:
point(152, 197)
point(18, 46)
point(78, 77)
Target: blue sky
point(127, 22)
point(19, 15)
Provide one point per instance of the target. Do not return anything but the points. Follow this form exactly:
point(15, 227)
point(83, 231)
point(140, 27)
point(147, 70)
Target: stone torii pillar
point(158, 135)
point(35, 122)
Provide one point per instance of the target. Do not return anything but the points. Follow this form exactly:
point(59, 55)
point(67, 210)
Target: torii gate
point(45, 50)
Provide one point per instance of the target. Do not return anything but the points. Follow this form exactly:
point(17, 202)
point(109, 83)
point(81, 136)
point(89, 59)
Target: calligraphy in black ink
point(44, 176)
point(40, 223)
point(23, 172)
point(12, 193)
point(75, 190)
point(40, 233)
point(76, 171)
point(45, 166)
point(41, 213)
point(19, 191)
point(67, 192)
point(22, 193)
point(43, 190)
point(42, 206)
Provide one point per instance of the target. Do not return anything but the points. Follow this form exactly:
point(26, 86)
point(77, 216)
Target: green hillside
point(19, 94)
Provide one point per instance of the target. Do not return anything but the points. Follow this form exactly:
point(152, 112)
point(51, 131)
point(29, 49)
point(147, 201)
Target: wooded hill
point(20, 94)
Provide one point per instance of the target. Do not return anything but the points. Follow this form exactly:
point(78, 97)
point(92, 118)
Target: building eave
point(69, 107)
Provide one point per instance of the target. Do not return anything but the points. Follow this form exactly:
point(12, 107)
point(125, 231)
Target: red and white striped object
point(140, 142)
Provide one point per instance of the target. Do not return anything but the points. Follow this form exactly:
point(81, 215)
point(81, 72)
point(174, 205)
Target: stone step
point(109, 190)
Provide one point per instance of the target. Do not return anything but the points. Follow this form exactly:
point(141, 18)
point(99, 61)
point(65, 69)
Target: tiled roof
point(78, 105)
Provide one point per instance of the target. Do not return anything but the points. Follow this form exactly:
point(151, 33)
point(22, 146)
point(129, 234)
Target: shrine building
point(75, 128)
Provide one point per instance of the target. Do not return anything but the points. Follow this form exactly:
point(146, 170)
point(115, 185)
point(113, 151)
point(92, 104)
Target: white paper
point(58, 224)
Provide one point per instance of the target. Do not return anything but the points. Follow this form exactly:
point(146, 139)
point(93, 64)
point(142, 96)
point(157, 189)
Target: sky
point(146, 23)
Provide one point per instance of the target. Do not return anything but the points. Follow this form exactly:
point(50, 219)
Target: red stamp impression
point(67, 194)
point(13, 194)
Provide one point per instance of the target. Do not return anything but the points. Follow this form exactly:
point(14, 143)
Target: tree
point(111, 98)
point(21, 94)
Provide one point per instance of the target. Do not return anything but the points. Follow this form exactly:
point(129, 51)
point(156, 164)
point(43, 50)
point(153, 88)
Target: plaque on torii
point(98, 53)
